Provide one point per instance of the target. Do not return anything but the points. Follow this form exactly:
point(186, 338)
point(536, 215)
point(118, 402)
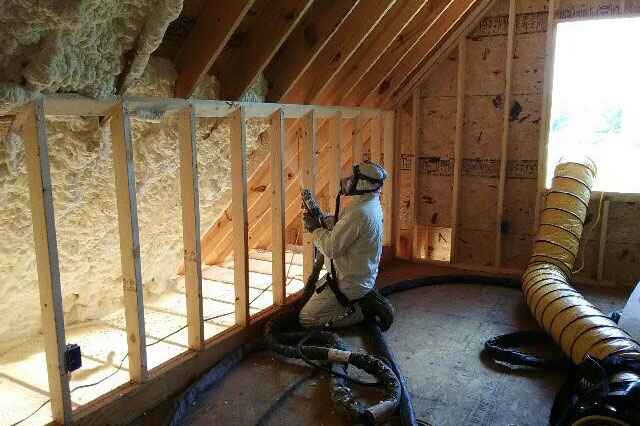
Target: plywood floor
point(438, 336)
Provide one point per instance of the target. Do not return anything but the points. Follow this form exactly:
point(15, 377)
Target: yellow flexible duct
point(577, 326)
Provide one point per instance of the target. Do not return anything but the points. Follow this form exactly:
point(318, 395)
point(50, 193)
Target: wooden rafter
point(394, 53)
point(462, 26)
point(304, 44)
point(427, 43)
point(205, 41)
point(376, 43)
point(355, 28)
point(239, 65)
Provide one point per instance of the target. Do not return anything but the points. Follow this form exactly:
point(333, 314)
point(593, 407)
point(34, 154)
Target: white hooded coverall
point(355, 245)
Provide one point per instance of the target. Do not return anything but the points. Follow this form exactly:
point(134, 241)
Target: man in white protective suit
point(352, 248)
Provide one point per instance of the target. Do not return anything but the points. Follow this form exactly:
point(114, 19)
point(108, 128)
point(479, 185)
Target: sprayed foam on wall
point(85, 206)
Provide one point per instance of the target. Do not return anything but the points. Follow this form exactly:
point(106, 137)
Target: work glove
point(311, 222)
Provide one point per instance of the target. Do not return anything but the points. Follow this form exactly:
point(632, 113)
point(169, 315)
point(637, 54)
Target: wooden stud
point(205, 42)
point(376, 139)
point(357, 149)
point(505, 131)
point(389, 164)
point(279, 276)
point(122, 148)
point(238, 148)
point(44, 235)
point(335, 157)
point(547, 89)
point(191, 226)
point(396, 187)
point(603, 238)
point(623, 6)
point(457, 160)
point(415, 136)
point(309, 182)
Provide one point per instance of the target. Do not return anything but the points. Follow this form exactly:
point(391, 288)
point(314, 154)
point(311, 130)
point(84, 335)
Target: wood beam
point(604, 224)
point(545, 112)
point(357, 153)
point(470, 18)
point(394, 53)
point(238, 148)
point(278, 275)
point(504, 144)
point(122, 150)
point(205, 42)
point(457, 156)
point(374, 45)
point(303, 45)
point(238, 68)
point(389, 164)
point(44, 235)
point(437, 31)
point(353, 31)
point(376, 139)
point(415, 142)
point(191, 226)
point(335, 157)
point(308, 147)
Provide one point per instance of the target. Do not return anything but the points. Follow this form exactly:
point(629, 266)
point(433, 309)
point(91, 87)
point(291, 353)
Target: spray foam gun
point(311, 206)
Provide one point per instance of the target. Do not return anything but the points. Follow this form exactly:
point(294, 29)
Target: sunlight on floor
point(23, 374)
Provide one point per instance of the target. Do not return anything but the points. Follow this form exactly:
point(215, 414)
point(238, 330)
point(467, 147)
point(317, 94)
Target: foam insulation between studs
point(85, 207)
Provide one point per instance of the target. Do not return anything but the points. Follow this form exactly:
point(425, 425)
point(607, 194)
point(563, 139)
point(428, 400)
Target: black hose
point(407, 414)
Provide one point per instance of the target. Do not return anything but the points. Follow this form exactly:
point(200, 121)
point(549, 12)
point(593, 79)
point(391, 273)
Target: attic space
point(376, 212)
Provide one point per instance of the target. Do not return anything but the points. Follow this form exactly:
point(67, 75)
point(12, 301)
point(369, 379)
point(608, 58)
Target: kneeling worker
point(352, 248)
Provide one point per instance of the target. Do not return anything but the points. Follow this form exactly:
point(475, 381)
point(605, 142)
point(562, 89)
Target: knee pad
point(377, 309)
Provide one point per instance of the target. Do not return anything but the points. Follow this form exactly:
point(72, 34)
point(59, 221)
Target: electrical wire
point(160, 340)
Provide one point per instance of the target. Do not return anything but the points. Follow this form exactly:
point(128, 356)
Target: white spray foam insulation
point(79, 46)
point(85, 207)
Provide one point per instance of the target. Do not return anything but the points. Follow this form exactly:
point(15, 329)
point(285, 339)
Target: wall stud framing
point(238, 147)
point(122, 147)
point(505, 131)
point(603, 238)
point(191, 226)
point(357, 149)
point(376, 139)
point(415, 135)
point(457, 160)
point(396, 184)
point(389, 165)
point(335, 157)
point(308, 182)
point(44, 234)
point(278, 208)
point(547, 90)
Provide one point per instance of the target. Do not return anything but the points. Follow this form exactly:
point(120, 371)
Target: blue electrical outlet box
point(73, 357)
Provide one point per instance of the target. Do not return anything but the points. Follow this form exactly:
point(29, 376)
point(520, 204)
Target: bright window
point(596, 100)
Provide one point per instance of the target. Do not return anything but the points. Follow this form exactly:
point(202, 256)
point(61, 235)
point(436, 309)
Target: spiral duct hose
point(604, 388)
point(578, 327)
